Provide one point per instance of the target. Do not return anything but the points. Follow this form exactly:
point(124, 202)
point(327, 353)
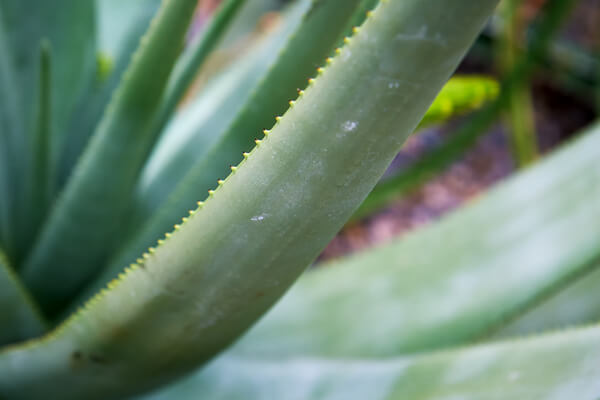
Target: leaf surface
point(19, 318)
point(553, 367)
point(456, 281)
point(234, 257)
point(78, 233)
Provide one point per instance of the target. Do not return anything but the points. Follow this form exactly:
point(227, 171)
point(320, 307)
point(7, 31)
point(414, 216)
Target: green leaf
point(77, 235)
point(234, 257)
point(72, 37)
point(307, 47)
point(195, 128)
point(577, 304)
point(553, 367)
point(456, 281)
point(552, 16)
point(19, 317)
point(191, 61)
point(120, 26)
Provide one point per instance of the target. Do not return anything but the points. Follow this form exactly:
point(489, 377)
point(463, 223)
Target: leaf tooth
point(311, 81)
point(292, 102)
point(355, 30)
point(220, 182)
point(278, 118)
point(176, 227)
point(329, 60)
point(338, 50)
point(140, 261)
point(346, 40)
point(266, 133)
point(192, 213)
point(168, 235)
point(320, 70)
point(200, 204)
point(258, 142)
point(369, 14)
point(246, 155)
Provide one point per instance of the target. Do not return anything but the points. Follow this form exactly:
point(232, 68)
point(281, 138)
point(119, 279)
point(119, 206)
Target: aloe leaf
point(41, 175)
point(191, 61)
point(120, 26)
point(19, 317)
point(553, 15)
point(553, 367)
point(194, 129)
point(307, 47)
point(234, 257)
point(577, 304)
point(483, 266)
point(11, 143)
point(72, 37)
point(78, 232)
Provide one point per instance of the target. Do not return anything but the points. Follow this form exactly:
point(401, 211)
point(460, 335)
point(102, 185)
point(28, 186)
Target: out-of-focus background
point(544, 56)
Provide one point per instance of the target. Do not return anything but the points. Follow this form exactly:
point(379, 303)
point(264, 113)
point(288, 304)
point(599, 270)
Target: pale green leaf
point(457, 280)
point(551, 367)
point(216, 274)
point(78, 232)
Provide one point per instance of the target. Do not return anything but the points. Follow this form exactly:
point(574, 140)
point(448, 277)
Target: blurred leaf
point(78, 232)
point(19, 318)
point(455, 281)
point(552, 367)
point(120, 26)
point(72, 37)
point(198, 125)
point(577, 304)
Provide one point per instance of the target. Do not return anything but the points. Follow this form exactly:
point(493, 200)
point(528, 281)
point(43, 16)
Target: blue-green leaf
point(78, 232)
point(19, 317)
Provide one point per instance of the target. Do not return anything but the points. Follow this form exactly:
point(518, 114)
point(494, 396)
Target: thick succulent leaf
point(188, 66)
point(9, 140)
point(69, 27)
point(308, 46)
point(455, 281)
point(577, 304)
point(236, 255)
point(79, 230)
point(117, 20)
point(120, 26)
point(552, 367)
point(553, 14)
point(19, 318)
point(194, 129)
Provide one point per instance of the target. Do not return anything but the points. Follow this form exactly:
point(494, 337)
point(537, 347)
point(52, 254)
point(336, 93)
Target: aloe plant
point(256, 175)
